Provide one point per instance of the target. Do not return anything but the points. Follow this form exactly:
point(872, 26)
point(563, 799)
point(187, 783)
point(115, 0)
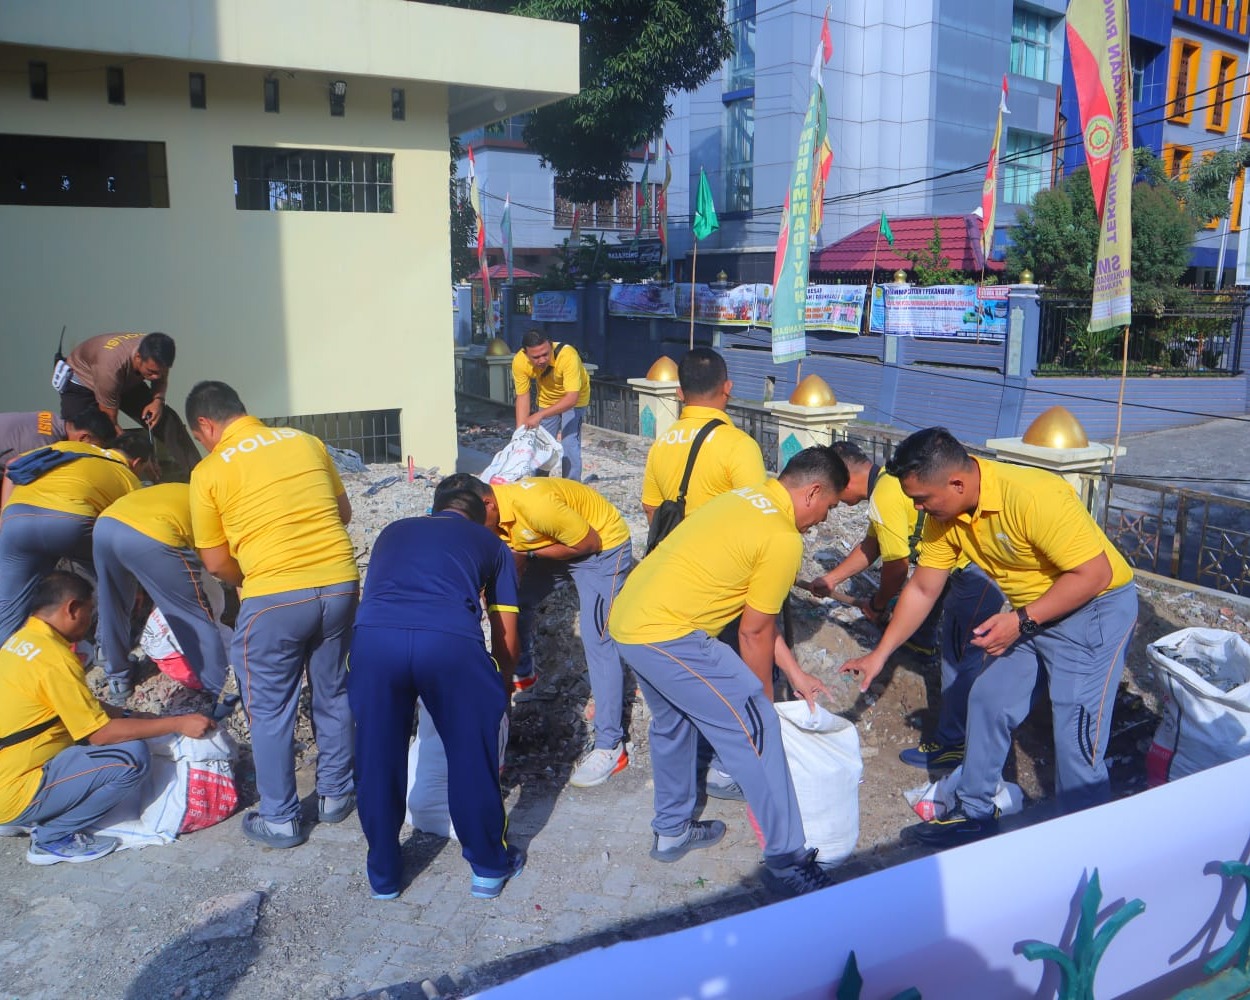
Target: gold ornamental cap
point(664, 370)
point(497, 347)
point(813, 391)
point(1056, 428)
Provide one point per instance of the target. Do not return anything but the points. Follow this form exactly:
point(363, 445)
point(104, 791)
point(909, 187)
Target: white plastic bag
point(1205, 677)
point(189, 786)
point(936, 799)
point(427, 777)
point(822, 750)
point(529, 451)
point(161, 646)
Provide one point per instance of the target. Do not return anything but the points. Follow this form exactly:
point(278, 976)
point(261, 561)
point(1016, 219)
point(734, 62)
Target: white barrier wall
point(952, 924)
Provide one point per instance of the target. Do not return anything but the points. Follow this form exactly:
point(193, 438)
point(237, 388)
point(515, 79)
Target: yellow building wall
point(303, 312)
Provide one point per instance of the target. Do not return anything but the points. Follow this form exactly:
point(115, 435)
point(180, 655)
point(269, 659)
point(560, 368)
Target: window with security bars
point(1030, 43)
point(313, 180)
point(1025, 161)
point(1223, 72)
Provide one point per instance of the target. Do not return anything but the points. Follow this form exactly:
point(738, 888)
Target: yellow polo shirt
point(1028, 528)
point(162, 513)
point(535, 513)
point(84, 486)
point(727, 459)
point(40, 679)
point(741, 549)
point(271, 494)
point(565, 374)
point(891, 518)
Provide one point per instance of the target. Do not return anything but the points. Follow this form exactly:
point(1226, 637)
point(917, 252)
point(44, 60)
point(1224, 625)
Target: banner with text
point(960, 312)
point(554, 307)
point(839, 308)
point(643, 301)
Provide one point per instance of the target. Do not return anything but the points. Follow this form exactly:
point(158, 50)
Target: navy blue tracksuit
point(418, 634)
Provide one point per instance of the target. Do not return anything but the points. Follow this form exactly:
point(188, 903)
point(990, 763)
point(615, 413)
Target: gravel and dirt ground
point(213, 916)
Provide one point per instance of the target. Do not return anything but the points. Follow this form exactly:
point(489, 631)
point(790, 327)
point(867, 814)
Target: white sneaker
point(598, 766)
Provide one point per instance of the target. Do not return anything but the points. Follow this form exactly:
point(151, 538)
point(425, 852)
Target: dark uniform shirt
point(428, 572)
point(20, 432)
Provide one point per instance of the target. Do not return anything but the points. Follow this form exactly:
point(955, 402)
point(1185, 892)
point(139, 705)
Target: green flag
point(885, 231)
point(705, 220)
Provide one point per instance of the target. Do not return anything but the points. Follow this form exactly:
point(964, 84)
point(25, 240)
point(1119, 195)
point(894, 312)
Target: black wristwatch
point(1027, 625)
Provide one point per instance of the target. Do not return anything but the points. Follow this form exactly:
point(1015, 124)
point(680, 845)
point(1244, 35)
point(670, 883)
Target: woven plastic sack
point(531, 450)
point(936, 799)
point(1204, 674)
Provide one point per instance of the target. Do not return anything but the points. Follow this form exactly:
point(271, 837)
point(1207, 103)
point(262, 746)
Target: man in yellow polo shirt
point(268, 515)
point(737, 555)
point(893, 536)
point(563, 393)
point(145, 538)
point(558, 529)
point(1073, 601)
point(52, 517)
point(65, 759)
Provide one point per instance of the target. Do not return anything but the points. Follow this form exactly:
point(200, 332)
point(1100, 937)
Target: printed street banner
point(554, 307)
point(642, 301)
point(959, 312)
point(839, 308)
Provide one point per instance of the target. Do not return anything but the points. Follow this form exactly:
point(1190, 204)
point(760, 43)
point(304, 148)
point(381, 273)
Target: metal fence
point(372, 433)
point(1185, 534)
point(1200, 337)
point(613, 406)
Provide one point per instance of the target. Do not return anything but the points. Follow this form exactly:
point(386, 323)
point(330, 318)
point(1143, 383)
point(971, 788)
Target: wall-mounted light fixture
point(338, 98)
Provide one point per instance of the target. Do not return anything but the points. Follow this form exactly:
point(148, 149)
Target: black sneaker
point(955, 828)
point(700, 833)
point(803, 876)
point(933, 755)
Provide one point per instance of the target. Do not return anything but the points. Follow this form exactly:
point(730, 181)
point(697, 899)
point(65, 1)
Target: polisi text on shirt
point(682, 437)
point(271, 436)
point(26, 650)
point(757, 499)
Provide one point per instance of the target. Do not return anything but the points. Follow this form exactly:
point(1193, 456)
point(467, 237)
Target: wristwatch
point(1027, 625)
point(531, 555)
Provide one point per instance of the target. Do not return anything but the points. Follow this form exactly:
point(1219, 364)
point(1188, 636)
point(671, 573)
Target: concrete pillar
point(462, 316)
point(1092, 460)
point(658, 406)
point(1023, 324)
point(800, 427)
point(499, 372)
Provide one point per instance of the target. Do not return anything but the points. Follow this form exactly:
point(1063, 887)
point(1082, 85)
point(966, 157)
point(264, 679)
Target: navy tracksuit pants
point(458, 682)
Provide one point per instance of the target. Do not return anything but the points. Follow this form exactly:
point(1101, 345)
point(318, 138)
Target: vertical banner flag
point(641, 201)
point(793, 259)
point(989, 190)
point(823, 157)
point(488, 317)
point(505, 231)
point(1098, 41)
point(706, 221)
point(575, 237)
point(661, 203)
point(884, 230)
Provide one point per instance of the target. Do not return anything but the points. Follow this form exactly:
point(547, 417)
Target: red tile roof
point(961, 242)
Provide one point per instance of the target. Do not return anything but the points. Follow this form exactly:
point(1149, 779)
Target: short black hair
point(461, 482)
point(213, 400)
point(852, 454)
point(701, 372)
point(534, 337)
point(135, 443)
point(927, 454)
point(158, 347)
point(466, 502)
point(57, 587)
point(817, 464)
point(94, 422)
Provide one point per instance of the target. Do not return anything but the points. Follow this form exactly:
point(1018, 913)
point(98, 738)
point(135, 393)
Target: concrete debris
point(225, 918)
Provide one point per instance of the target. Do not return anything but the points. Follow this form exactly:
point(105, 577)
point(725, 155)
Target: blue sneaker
point(74, 848)
point(385, 895)
point(486, 887)
point(934, 756)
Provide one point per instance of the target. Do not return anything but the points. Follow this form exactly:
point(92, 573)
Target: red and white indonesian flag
point(989, 190)
point(488, 316)
point(1098, 43)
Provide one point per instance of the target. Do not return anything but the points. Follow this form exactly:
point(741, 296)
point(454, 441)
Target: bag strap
point(21, 736)
point(552, 363)
point(913, 541)
point(699, 438)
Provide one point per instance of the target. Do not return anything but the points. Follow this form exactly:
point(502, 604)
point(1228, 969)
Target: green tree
point(463, 223)
point(634, 53)
point(932, 267)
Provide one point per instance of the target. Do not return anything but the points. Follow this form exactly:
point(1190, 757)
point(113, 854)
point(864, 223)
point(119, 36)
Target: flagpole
point(694, 268)
point(872, 281)
point(1119, 406)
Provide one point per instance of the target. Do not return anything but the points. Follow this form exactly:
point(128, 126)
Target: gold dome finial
point(813, 391)
point(664, 370)
point(900, 277)
point(1056, 428)
point(497, 347)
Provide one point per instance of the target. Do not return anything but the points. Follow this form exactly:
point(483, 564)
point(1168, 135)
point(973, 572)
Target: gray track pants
point(1083, 655)
point(275, 638)
point(568, 425)
point(598, 578)
point(32, 540)
point(694, 685)
point(124, 558)
point(80, 785)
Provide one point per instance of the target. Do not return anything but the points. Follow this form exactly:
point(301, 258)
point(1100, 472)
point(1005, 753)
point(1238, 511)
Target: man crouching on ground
point(48, 782)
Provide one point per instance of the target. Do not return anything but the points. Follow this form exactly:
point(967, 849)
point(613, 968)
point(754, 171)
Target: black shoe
point(955, 828)
point(803, 876)
point(224, 708)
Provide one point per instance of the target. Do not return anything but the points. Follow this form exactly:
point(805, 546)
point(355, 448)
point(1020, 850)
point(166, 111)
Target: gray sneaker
point(74, 848)
point(598, 766)
point(700, 833)
point(335, 809)
point(119, 691)
point(280, 835)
